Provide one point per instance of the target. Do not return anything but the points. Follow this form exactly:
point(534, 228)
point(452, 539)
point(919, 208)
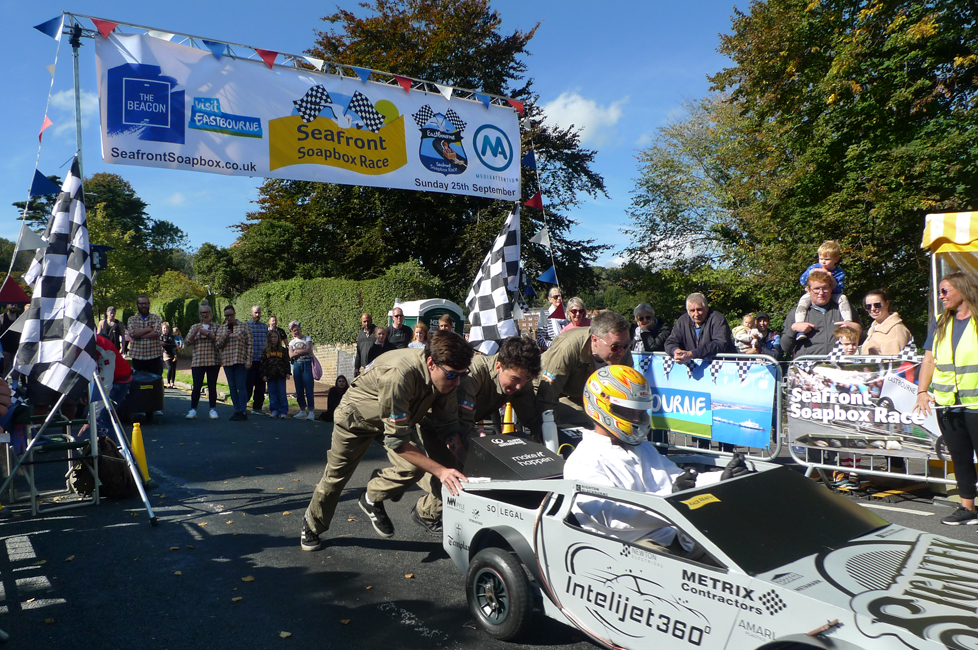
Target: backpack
point(113, 471)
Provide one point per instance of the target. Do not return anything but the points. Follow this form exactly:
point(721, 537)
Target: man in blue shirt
point(253, 383)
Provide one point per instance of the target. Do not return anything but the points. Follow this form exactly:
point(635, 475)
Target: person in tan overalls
point(386, 402)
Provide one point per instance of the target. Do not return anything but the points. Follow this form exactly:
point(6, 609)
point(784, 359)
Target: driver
point(617, 454)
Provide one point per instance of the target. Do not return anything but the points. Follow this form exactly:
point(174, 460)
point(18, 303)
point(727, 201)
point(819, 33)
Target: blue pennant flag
point(363, 73)
point(485, 99)
point(529, 160)
point(52, 28)
point(549, 276)
point(528, 291)
point(217, 49)
point(42, 185)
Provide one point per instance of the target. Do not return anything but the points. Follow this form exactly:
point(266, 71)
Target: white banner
point(168, 105)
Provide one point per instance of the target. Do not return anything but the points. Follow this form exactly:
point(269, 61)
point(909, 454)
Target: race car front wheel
point(499, 594)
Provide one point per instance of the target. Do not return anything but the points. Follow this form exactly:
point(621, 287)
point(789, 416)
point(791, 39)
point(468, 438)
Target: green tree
point(127, 273)
point(866, 116)
point(215, 270)
point(358, 232)
point(172, 285)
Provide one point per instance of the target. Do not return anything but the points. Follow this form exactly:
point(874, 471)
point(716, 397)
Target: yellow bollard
point(139, 451)
point(508, 425)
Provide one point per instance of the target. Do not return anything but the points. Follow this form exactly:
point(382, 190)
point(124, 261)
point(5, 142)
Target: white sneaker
point(192, 414)
point(214, 414)
point(300, 415)
point(311, 416)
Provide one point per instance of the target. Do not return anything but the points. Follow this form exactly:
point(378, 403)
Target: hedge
point(329, 308)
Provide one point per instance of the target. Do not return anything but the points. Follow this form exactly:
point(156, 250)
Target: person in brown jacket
point(887, 335)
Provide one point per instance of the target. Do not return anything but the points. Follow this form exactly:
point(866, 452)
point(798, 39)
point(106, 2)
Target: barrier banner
point(859, 406)
point(168, 105)
point(730, 400)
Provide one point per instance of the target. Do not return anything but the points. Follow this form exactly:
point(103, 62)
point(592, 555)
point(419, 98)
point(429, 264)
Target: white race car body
point(786, 563)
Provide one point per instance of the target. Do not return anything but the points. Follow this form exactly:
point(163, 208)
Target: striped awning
point(951, 232)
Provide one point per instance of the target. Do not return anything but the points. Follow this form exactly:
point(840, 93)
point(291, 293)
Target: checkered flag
point(57, 346)
point(667, 364)
point(805, 366)
point(456, 121)
point(743, 368)
point(909, 351)
point(490, 313)
point(312, 103)
point(715, 366)
point(423, 116)
point(689, 369)
point(836, 354)
point(643, 361)
point(369, 115)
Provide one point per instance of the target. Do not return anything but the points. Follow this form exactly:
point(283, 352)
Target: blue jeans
point(278, 402)
point(237, 378)
point(305, 389)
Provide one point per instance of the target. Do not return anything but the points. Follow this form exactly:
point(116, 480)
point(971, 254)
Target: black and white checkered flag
point(361, 105)
point(667, 364)
point(743, 368)
point(715, 366)
point(836, 353)
point(311, 104)
point(490, 313)
point(57, 346)
point(909, 351)
point(643, 361)
point(423, 116)
point(456, 121)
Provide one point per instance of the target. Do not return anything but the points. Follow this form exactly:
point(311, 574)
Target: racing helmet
point(618, 398)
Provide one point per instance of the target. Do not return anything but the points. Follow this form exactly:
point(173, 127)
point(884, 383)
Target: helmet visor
point(635, 416)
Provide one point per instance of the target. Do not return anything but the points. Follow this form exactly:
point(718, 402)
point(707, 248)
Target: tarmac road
point(230, 503)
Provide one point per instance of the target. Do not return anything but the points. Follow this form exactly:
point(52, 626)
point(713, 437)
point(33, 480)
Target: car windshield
point(772, 518)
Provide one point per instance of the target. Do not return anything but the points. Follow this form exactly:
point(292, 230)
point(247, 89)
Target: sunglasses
point(642, 319)
point(576, 311)
point(943, 292)
point(452, 374)
point(871, 306)
point(615, 347)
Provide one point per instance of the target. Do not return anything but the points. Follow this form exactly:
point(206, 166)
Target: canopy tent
point(952, 239)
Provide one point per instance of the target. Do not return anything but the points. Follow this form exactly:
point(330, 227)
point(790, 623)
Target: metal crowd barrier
point(923, 465)
point(685, 442)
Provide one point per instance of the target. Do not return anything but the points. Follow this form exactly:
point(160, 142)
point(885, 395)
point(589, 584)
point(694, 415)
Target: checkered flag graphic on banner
point(490, 313)
point(311, 104)
point(805, 366)
point(423, 116)
point(836, 354)
point(57, 346)
point(456, 121)
point(689, 369)
point(371, 118)
point(715, 366)
point(667, 364)
point(644, 362)
point(909, 351)
point(743, 368)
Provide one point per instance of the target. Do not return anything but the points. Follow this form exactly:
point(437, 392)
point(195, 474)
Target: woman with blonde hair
point(949, 378)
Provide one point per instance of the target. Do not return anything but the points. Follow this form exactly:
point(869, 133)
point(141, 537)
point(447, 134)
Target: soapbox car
point(779, 562)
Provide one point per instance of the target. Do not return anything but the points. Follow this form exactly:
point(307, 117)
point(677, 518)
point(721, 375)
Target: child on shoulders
point(829, 254)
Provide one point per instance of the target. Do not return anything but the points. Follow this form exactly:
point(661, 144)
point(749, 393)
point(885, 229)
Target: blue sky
point(617, 69)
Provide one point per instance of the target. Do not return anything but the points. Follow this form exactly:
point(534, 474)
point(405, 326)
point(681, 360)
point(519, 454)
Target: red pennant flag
point(47, 123)
point(267, 56)
point(535, 202)
point(559, 312)
point(405, 83)
point(104, 27)
point(517, 105)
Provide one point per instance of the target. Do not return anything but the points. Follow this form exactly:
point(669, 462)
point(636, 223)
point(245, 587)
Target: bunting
point(485, 99)
point(44, 126)
point(446, 91)
point(529, 160)
point(542, 237)
point(517, 105)
point(536, 201)
point(217, 49)
point(363, 73)
point(549, 276)
point(104, 27)
point(52, 28)
point(42, 185)
point(268, 56)
point(404, 83)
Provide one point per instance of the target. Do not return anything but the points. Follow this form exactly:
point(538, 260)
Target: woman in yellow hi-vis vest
point(949, 377)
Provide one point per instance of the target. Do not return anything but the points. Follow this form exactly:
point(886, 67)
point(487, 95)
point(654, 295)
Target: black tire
point(499, 594)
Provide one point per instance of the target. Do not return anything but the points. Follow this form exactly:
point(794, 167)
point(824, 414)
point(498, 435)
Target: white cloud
point(614, 262)
point(597, 123)
point(174, 199)
point(64, 103)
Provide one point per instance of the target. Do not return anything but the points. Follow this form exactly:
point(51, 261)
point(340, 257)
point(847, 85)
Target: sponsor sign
point(168, 105)
point(859, 407)
point(922, 592)
point(729, 400)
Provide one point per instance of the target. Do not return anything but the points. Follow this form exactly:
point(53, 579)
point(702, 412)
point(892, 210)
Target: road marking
point(909, 512)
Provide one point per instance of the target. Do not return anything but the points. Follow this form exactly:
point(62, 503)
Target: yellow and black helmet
point(618, 398)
